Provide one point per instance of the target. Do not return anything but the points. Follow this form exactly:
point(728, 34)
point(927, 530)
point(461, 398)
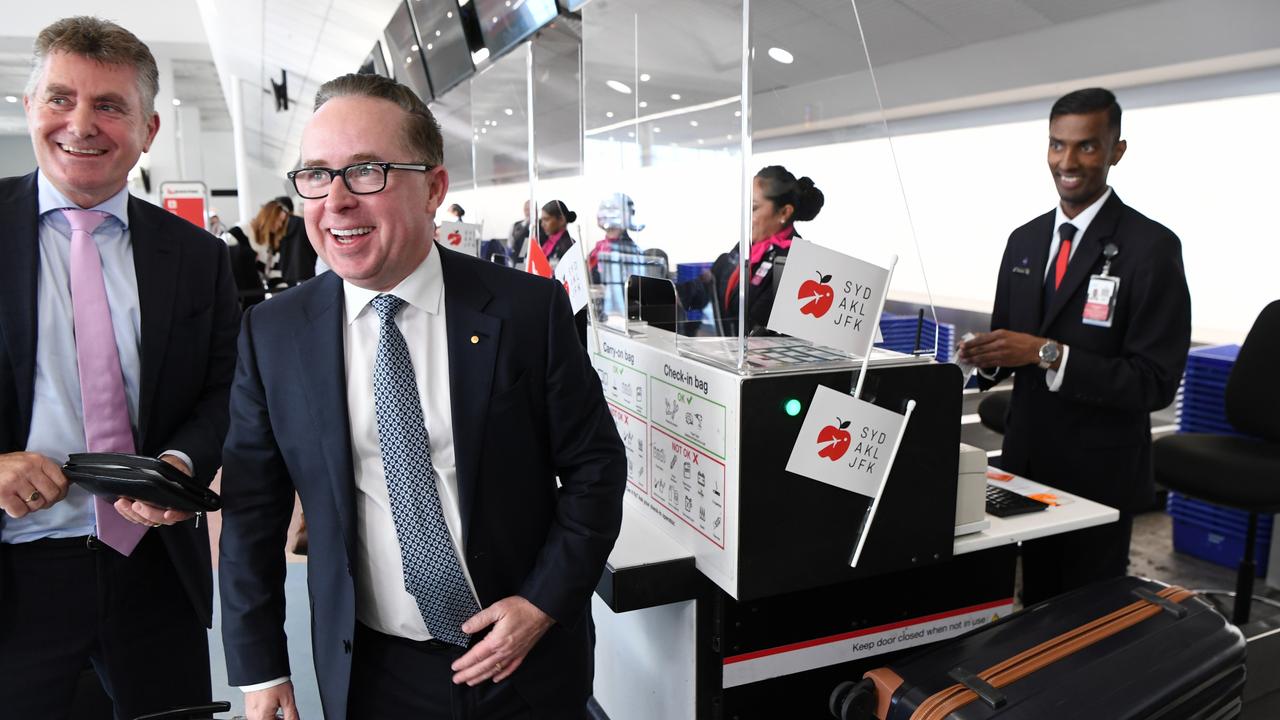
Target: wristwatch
point(1049, 354)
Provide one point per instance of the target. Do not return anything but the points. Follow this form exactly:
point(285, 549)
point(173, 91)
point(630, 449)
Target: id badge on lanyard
point(1100, 301)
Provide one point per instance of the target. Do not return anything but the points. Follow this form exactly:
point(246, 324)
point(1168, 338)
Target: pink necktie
point(106, 415)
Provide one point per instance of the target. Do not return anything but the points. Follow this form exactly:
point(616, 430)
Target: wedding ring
point(497, 666)
point(34, 496)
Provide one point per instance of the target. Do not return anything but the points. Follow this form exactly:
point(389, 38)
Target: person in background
point(261, 239)
point(519, 234)
point(216, 227)
point(554, 223)
point(117, 334)
point(460, 472)
point(297, 257)
point(778, 201)
point(1086, 375)
point(616, 216)
point(456, 212)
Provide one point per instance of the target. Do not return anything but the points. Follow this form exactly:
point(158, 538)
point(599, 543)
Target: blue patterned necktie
point(432, 572)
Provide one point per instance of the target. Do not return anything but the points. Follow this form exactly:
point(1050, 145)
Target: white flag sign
point(829, 298)
point(463, 237)
point(572, 273)
point(846, 442)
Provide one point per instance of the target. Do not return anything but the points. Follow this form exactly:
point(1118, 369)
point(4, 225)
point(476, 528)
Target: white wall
point(16, 155)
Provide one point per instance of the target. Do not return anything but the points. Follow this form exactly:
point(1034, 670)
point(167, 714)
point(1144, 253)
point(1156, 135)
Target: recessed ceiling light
point(644, 77)
point(700, 141)
point(675, 96)
point(644, 104)
point(618, 87)
point(495, 19)
point(631, 134)
point(11, 98)
point(414, 48)
point(728, 137)
point(609, 114)
point(484, 130)
point(693, 123)
point(437, 33)
point(429, 46)
point(176, 102)
point(737, 113)
point(509, 111)
point(480, 55)
point(449, 14)
point(781, 55)
point(408, 59)
point(657, 129)
point(493, 123)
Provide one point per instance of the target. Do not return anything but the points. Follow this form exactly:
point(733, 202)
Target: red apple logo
point(816, 296)
point(834, 440)
point(455, 238)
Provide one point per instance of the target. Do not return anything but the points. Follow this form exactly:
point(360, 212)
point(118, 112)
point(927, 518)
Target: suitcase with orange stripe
point(1124, 649)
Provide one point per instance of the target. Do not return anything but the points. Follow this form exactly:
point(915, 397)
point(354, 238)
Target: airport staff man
point(117, 333)
point(1092, 317)
point(422, 403)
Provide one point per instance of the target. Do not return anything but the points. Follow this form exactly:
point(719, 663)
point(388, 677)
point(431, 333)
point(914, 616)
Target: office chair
point(1232, 470)
point(992, 411)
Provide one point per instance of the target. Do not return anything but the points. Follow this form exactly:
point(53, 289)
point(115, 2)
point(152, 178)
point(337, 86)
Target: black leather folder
point(156, 482)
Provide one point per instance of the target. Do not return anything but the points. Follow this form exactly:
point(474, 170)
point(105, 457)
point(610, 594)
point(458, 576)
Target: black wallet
point(115, 475)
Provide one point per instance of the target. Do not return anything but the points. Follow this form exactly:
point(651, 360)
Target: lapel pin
point(475, 339)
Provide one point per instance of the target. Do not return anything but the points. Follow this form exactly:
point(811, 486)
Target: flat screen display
point(444, 43)
point(572, 5)
point(375, 63)
point(406, 57)
point(505, 23)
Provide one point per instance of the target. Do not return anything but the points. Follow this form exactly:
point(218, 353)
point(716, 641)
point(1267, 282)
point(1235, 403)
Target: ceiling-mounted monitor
point(407, 65)
point(375, 63)
point(443, 41)
point(504, 24)
point(573, 5)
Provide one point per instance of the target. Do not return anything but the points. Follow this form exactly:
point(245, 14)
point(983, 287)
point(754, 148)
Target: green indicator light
point(792, 407)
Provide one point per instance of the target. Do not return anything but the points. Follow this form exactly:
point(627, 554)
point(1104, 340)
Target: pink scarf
point(780, 239)
point(551, 243)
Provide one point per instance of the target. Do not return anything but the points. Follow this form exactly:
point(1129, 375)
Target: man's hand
point(29, 482)
point(145, 514)
point(517, 626)
point(1002, 348)
point(262, 704)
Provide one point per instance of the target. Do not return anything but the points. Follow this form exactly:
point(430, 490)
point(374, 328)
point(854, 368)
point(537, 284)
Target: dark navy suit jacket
point(527, 407)
point(1093, 436)
point(189, 322)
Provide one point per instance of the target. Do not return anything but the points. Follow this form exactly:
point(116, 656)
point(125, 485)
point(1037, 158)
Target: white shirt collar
point(422, 289)
point(1081, 220)
point(50, 199)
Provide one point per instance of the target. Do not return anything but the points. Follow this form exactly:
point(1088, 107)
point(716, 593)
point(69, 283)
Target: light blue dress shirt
point(57, 418)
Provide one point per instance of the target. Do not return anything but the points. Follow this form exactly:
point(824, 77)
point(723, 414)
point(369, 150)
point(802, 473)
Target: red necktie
point(106, 415)
point(1067, 232)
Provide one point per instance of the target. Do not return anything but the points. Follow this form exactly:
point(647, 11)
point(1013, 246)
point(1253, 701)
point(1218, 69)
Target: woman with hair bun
point(554, 222)
point(779, 200)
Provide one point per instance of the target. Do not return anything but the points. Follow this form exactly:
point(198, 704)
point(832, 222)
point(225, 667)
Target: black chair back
point(1253, 389)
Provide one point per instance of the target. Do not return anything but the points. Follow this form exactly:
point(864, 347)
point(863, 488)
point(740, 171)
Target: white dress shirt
point(382, 603)
point(1082, 220)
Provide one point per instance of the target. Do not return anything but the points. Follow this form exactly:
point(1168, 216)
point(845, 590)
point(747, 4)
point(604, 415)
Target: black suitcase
point(1119, 650)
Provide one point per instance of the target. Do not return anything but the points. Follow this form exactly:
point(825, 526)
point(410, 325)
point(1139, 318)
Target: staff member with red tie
point(778, 201)
point(1092, 318)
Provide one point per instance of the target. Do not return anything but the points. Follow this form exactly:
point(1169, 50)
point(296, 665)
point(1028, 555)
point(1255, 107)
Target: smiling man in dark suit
point(422, 403)
point(117, 333)
point(1092, 317)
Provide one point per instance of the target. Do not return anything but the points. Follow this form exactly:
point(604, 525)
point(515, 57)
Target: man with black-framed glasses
point(422, 403)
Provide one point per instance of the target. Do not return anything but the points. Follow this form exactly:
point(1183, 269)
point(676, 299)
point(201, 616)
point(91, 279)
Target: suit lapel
point(19, 275)
point(1082, 261)
point(473, 351)
point(156, 261)
point(1038, 259)
point(318, 340)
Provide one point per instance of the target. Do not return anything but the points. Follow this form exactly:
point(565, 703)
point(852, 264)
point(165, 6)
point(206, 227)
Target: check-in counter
point(730, 591)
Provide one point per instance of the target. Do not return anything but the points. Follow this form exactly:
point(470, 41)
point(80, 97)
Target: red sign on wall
point(186, 200)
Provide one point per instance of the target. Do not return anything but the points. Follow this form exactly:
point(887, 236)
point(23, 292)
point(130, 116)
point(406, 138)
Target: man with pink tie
point(117, 332)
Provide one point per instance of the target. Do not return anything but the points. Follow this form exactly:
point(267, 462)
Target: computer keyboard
point(1003, 503)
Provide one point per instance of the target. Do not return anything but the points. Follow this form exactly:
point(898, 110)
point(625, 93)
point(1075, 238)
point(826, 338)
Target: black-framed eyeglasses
point(363, 178)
